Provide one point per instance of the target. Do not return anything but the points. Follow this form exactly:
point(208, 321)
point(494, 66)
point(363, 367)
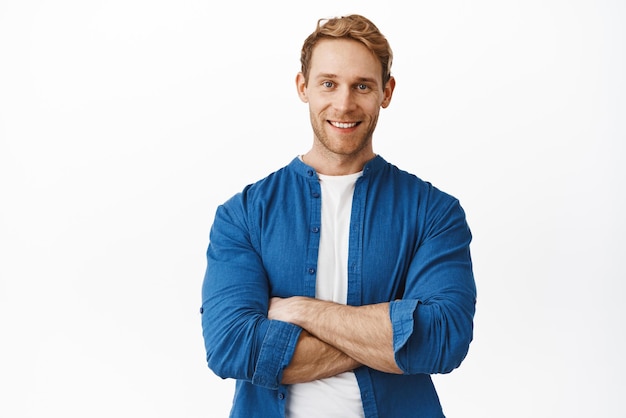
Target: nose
point(344, 99)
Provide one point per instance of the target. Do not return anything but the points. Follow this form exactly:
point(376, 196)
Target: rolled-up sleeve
point(240, 341)
point(433, 322)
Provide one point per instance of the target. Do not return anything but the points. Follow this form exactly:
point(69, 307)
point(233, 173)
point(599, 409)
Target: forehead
point(344, 58)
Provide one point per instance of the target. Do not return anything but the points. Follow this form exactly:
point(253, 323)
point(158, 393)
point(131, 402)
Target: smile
point(344, 125)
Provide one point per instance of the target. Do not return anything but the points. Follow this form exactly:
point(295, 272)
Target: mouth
point(343, 125)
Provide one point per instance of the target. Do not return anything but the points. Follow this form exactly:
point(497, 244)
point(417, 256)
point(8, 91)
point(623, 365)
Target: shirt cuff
point(401, 313)
point(276, 351)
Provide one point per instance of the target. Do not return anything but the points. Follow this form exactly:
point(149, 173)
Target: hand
point(283, 309)
point(362, 333)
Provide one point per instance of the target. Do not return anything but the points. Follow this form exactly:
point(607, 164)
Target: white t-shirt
point(337, 396)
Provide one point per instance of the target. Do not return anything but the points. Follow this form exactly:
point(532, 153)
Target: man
point(336, 285)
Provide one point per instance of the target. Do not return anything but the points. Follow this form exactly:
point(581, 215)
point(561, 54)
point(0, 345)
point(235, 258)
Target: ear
point(301, 87)
point(388, 92)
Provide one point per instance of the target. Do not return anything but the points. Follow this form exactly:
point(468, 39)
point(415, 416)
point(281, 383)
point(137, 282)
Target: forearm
point(315, 359)
point(363, 333)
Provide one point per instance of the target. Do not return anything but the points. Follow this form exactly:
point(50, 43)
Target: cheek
point(372, 109)
point(316, 107)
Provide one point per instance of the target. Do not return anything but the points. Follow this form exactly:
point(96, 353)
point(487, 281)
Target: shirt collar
point(371, 167)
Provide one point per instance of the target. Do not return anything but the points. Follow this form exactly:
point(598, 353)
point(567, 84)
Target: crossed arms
point(253, 336)
point(335, 338)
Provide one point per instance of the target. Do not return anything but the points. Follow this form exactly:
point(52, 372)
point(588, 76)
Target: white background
point(123, 124)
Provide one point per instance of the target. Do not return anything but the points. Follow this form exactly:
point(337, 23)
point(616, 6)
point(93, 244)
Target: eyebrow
point(326, 75)
point(360, 80)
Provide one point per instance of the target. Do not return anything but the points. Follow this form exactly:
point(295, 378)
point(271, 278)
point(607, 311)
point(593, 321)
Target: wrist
point(302, 310)
point(309, 313)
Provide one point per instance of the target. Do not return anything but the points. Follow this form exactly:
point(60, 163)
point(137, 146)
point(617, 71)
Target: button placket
point(314, 222)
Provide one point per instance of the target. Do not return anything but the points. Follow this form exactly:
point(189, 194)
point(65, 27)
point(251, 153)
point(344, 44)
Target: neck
point(333, 164)
point(336, 165)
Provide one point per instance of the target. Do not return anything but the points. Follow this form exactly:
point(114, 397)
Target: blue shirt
point(409, 245)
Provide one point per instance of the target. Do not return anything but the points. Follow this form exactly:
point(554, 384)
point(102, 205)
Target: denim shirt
point(409, 245)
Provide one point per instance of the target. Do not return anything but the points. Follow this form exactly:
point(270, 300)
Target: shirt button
point(310, 173)
point(281, 396)
point(311, 270)
point(315, 229)
point(315, 195)
point(201, 310)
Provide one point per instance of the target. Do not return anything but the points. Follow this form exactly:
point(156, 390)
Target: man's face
point(345, 94)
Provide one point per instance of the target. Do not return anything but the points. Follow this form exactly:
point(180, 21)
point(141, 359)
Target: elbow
point(439, 359)
point(454, 342)
point(452, 333)
point(438, 347)
point(226, 361)
point(231, 348)
point(454, 352)
point(224, 369)
point(217, 358)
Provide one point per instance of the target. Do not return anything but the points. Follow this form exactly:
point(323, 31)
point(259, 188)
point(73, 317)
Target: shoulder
point(268, 187)
point(412, 186)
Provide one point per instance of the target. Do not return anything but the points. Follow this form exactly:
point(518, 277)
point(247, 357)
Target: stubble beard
point(334, 147)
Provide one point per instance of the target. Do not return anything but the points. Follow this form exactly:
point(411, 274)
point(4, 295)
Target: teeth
point(343, 125)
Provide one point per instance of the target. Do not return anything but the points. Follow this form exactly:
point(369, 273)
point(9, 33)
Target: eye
point(362, 87)
point(328, 84)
